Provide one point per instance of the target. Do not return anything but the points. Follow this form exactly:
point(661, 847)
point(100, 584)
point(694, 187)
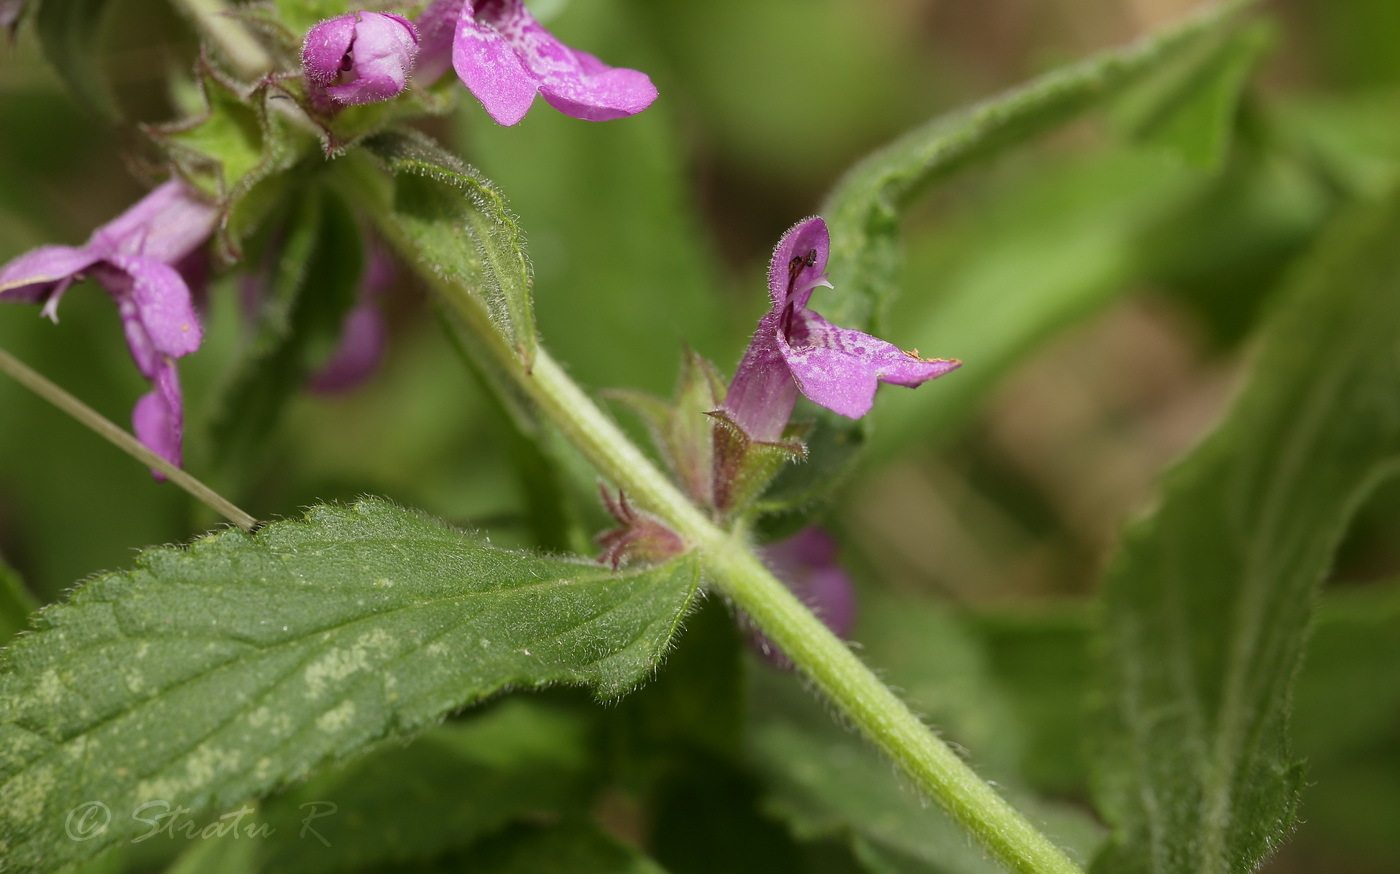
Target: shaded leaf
point(863, 210)
point(68, 32)
point(219, 672)
point(567, 848)
point(454, 785)
point(314, 266)
point(1207, 603)
point(464, 230)
point(1061, 243)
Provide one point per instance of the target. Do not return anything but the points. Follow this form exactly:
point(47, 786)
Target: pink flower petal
point(31, 277)
point(839, 368)
point(160, 301)
point(761, 397)
point(491, 70)
point(380, 59)
point(158, 419)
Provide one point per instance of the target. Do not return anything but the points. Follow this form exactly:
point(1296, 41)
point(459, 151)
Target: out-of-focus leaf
point(863, 210)
point(1041, 658)
point(454, 785)
point(1060, 243)
point(461, 225)
point(567, 848)
point(218, 672)
point(68, 31)
point(232, 848)
point(1344, 719)
point(314, 265)
point(1348, 136)
point(15, 603)
point(694, 706)
point(1189, 109)
point(1208, 601)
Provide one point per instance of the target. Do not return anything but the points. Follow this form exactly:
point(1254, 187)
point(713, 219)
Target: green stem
point(738, 573)
point(105, 428)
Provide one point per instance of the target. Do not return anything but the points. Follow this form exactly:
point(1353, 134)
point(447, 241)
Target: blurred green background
point(1128, 283)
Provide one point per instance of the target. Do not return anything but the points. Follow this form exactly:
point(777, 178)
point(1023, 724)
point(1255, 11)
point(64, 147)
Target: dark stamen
point(797, 265)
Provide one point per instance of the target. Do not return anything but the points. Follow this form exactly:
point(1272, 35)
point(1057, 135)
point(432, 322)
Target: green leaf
point(863, 211)
point(454, 785)
point(316, 264)
point(68, 31)
point(1208, 601)
point(218, 672)
point(462, 225)
point(1189, 109)
point(15, 603)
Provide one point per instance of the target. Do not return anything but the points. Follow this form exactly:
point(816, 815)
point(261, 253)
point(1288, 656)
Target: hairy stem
point(733, 567)
point(109, 431)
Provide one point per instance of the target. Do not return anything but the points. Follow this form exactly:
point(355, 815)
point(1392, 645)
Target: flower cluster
point(497, 48)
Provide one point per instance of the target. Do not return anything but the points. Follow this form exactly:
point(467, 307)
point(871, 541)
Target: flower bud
point(360, 57)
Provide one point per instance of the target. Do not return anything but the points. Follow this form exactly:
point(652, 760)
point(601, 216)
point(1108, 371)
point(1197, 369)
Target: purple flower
point(796, 350)
point(505, 57)
point(132, 257)
point(806, 564)
point(360, 57)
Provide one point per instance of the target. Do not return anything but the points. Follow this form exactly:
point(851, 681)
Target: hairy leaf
point(462, 226)
point(1208, 601)
point(68, 31)
point(218, 672)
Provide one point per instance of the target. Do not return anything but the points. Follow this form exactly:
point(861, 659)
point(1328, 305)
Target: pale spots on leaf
point(202, 768)
point(50, 691)
point(26, 795)
point(335, 720)
point(337, 664)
